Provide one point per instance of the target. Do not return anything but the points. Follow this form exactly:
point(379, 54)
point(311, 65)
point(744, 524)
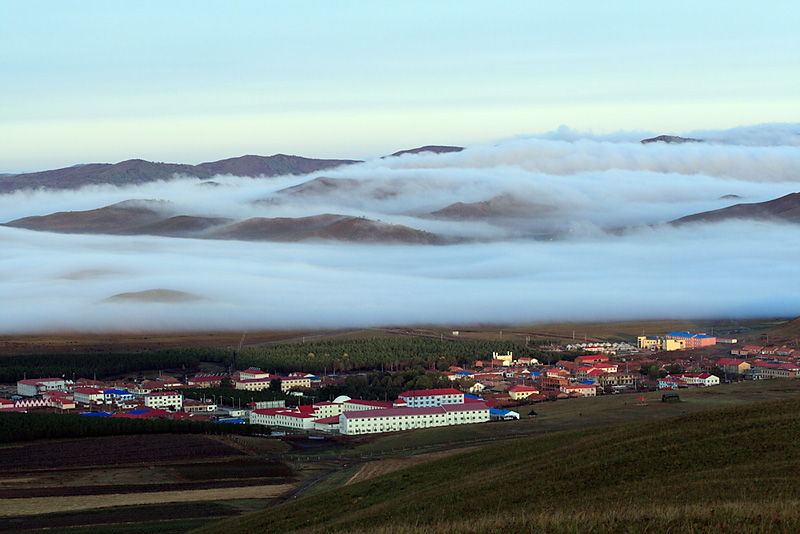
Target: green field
point(577, 414)
point(729, 463)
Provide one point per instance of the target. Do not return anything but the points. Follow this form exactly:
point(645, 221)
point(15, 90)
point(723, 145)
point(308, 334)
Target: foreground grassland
point(732, 469)
point(574, 414)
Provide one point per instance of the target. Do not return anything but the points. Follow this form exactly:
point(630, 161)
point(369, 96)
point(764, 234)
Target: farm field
point(47, 483)
point(113, 450)
point(38, 505)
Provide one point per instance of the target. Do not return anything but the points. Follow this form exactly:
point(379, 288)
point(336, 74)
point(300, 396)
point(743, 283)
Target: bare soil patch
point(44, 505)
point(10, 495)
point(389, 465)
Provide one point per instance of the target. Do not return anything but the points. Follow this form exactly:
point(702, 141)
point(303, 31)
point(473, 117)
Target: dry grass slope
point(733, 469)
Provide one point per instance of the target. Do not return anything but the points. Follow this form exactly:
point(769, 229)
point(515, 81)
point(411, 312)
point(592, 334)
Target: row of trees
point(381, 385)
point(389, 354)
point(331, 357)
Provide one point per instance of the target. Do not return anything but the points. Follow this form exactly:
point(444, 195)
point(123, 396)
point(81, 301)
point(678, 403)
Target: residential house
point(579, 390)
point(733, 367)
point(165, 400)
point(521, 392)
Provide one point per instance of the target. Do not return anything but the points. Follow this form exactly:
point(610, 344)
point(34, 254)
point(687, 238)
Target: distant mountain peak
point(673, 139)
point(436, 149)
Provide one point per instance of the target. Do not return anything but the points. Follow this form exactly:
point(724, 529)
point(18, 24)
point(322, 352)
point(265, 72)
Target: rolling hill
point(326, 226)
point(137, 171)
point(785, 208)
point(732, 469)
point(505, 205)
point(149, 217)
point(279, 164)
point(113, 219)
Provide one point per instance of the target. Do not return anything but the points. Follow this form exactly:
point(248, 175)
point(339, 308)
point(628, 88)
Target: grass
point(577, 414)
point(734, 466)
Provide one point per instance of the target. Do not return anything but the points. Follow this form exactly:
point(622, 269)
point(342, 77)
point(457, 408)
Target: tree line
point(388, 354)
point(319, 357)
point(382, 385)
point(17, 367)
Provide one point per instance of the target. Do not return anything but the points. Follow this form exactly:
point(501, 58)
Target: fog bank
point(579, 184)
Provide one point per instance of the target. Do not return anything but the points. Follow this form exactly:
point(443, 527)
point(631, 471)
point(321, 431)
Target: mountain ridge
point(138, 171)
point(785, 208)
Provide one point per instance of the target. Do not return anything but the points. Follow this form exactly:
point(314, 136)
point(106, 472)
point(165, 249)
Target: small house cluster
point(160, 398)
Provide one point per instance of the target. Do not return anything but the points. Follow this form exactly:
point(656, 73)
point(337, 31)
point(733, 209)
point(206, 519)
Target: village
point(488, 391)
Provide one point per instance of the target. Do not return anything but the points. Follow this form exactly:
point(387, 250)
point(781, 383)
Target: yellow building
point(521, 392)
point(659, 343)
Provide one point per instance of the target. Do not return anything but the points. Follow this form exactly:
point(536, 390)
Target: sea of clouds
point(585, 183)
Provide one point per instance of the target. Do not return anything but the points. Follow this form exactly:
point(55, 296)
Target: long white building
point(396, 419)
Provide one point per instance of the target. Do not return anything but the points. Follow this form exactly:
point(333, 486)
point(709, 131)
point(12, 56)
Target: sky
point(195, 81)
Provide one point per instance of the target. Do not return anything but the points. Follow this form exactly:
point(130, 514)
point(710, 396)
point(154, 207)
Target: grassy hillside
point(733, 469)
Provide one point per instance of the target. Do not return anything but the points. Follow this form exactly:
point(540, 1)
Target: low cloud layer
point(585, 183)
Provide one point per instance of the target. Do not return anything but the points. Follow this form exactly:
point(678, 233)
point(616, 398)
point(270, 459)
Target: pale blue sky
point(194, 81)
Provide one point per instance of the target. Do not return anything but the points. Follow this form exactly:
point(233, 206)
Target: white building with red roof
point(397, 419)
point(164, 399)
point(432, 397)
point(693, 379)
point(285, 417)
point(59, 399)
point(251, 373)
point(87, 395)
point(361, 416)
point(36, 386)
